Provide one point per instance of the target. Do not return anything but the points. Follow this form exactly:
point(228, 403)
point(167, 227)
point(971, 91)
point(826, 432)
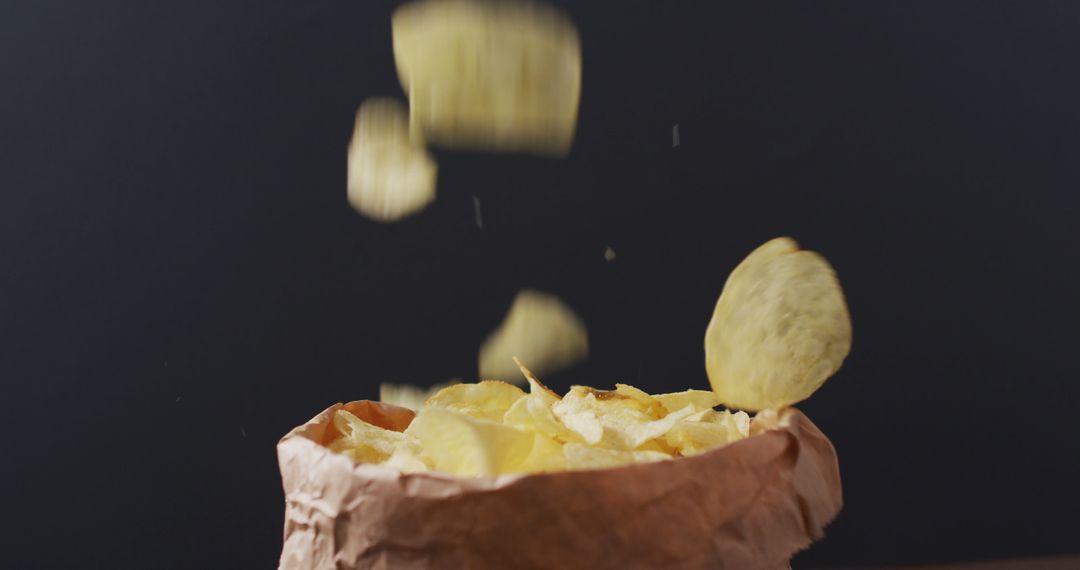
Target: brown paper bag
point(747, 505)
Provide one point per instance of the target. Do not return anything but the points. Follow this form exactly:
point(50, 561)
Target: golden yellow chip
point(490, 75)
point(390, 175)
point(364, 442)
point(541, 330)
point(705, 430)
point(612, 419)
point(546, 456)
point(407, 459)
point(580, 456)
point(779, 330)
point(533, 412)
point(698, 399)
point(459, 444)
point(407, 396)
point(487, 400)
point(650, 405)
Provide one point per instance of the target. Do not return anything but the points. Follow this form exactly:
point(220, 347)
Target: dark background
point(182, 280)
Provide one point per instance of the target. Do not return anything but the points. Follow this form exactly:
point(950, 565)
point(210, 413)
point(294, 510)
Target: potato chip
point(535, 385)
point(490, 75)
point(407, 459)
point(533, 412)
point(541, 330)
point(617, 420)
point(580, 456)
point(739, 422)
point(407, 396)
point(699, 399)
point(582, 422)
point(651, 405)
point(779, 330)
point(487, 400)
point(390, 174)
point(705, 430)
point(364, 442)
point(545, 456)
point(459, 444)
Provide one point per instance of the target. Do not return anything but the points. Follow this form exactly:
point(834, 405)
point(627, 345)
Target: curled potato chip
point(533, 412)
point(540, 329)
point(650, 405)
point(490, 75)
point(699, 399)
point(407, 460)
point(546, 456)
point(364, 442)
point(580, 456)
point(612, 419)
point(779, 330)
point(390, 173)
point(459, 444)
point(487, 400)
point(706, 429)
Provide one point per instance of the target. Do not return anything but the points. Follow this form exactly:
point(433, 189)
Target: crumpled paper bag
point(747, 505)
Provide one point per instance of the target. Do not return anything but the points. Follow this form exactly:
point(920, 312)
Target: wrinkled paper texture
point(747, 505)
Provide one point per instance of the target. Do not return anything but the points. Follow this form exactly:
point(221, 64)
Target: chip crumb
point(609, 254)
point(675, 135)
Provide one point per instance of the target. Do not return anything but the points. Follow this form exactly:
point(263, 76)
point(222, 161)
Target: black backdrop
point(183, 281)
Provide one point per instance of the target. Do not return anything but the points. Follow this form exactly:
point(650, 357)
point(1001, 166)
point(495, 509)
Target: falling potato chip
point(699, 399)
point(580, 456)
point(459, 444)
point(487, 400)
point(540, 329)
point(390, 173)
point(365, 442)
point(779, 330)
point(490, 75)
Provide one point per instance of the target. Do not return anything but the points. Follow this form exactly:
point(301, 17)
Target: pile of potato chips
point(493, 428)
point(779, 330)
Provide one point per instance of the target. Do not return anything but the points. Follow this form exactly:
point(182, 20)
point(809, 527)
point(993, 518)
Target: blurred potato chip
point(651, 405)
point(407, 396)
point(490, 75)
point(617, 420)
point(706, 429)
point(545, 456)
point(407, 460)
point(580, 456)
point(533, 412)
point(390, 174)
point(487, 400)
point(459, 444)
point(699, 399)
point(540, 329)
point(779, 330)
point(365, 442)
